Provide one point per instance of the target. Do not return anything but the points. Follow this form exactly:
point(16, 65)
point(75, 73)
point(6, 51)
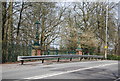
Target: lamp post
point(106, 42)
point(36, 42)
point(79, 50)
point(36, 47)
point(79, 41)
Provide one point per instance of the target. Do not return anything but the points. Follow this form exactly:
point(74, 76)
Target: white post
point(106, 45)
point(118, 28)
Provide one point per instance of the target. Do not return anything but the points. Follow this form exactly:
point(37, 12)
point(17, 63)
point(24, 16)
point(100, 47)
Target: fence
point(56, 52)
point(10, 52)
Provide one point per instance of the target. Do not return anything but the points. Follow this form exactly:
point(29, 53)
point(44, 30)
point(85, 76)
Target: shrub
point(113, 57)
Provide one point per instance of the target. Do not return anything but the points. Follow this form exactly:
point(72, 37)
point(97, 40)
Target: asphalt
point(84, 70)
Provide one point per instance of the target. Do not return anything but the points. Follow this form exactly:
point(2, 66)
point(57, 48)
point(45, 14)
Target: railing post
point(22, 61)
point(58, 60)
point(70, 59)
point(81, 58)
point(92, 58)
point(85, 58)
point(88, 58)
point(42, 60)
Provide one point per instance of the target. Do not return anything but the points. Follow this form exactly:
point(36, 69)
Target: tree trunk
point(3, 19)
point(119, 28)
point(20, 17)
point(4, 40)
point(43, 29)
point(10, 21)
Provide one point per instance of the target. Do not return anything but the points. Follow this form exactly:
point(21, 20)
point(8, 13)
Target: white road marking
point(117, 79)
point(71, 63)
point(54, 74)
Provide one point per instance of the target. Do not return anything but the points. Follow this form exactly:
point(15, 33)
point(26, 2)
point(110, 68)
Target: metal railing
point(43, 57)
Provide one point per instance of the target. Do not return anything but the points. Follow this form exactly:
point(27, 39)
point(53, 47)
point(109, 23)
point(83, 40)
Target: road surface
point(102, 69)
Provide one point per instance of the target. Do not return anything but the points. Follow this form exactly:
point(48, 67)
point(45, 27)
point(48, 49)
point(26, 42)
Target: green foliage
point(113, 57)
point(110, 57)
point(88, 50)
point(99, 54)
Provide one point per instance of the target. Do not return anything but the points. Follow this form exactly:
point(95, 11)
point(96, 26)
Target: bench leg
point(22, 61)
